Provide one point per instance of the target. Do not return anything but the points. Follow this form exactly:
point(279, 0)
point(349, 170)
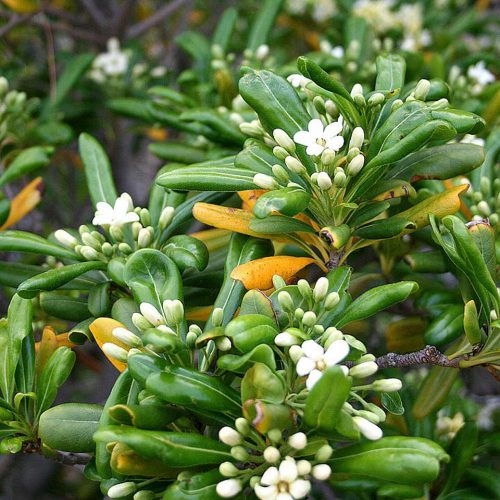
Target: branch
point(140, 28)
point(123, 15)
point(95, 14)
point(15, 21)
point(65, 458)
point(429, 355)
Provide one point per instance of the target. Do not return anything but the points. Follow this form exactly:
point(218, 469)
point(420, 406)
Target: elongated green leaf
point(225, 27)
point(288, 201)
point(129, 107)
point(64, 306)
point(376, 300)
point(28, 160)
point(279, 224)
point(263, 23)
point(240, 364)
point(97, 170)
point(198, 486)
point(391, 69)
point(54, 374)
point(177, 152)
point(55, 278)
point(464, 122)
point(22, 241)
point(385, 228)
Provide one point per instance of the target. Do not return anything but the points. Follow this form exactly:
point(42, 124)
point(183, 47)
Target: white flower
point(283, 482)
point(150, 312)
point(479, 73)
point(368, 429)
point(229, 436)
point(317, 138)
point(228, 488)
point(122, 490)
point(466, 139)
point(337, 52)
point(114, 62)
point(316, 360)
point(115, 216)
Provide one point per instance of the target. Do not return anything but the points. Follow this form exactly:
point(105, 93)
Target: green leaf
point(262, 383)
point(391, 69)
point(177, 152)
point(63, 306)
point(464, 122)
point(201, 486)
point(377, 299)
point(28, 160)
point(391, 401)
point(99, 300)
point(177, 449)
point(225, 27)
point(54, 374)
point(240, 364)
point(447, 327)
point(279, 224)
point(12, 335)
point(130, 107)
point(55, 278)
point(248, 331)
point(186, 252)
point(21, 241)
point(263, 23)
point(256, 302)
point(385, 228)
point(153, 277)
point(323, 405)
point(288, 201)
point(144, 416)
point(97, 170)
point(70, 427)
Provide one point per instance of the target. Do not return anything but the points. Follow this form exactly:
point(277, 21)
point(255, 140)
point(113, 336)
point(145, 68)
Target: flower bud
point(359, 99)
point(295, 165)
point(299, 313)
point(125, 248)
point(309, 318)
point(357, 89)
point(280, 173)
point(304, 467)
point(116, 233)
point(191, 338)
point(122, 490)
point(166, 217)
point(275, 435)
point(286, 339)
point(355, 165)
point(4, 86)
point(327, 157)
point(285, 301)
point(304, 289)
point(145, 495)
point(376, 99)
point(331, 108)
point(140, 321)
point(295, 353)
point(369, 430)
point(298, 441)
point(321, 472)
point(144, 238)
point(319, 104)
point(271, 454)
point(265, 181)
point(242, 425)
point(340, 179)
point(227, 469)
point(66, 239)
point(387, 385)
point(332, 334)
point(357, 138)
point(127, 337)
point(324, 453)
point(262, 52)
point(228, 488)
point(370, 416)
point(239, 453)
point(107, 249)
point(483, 208)
point(278, 282)
point(280, 152)
point(145, 217)
point(150, 312)
point(320, 289)
point(396, 105)
point(223, 344)
point(422, 89)
point(217, 316)
point(324, 181)
point(115, 352)
point(332, 299)
point(229, 436)
point(283, 139)
point(377, 410)
point(363, 369)
point(88, 253)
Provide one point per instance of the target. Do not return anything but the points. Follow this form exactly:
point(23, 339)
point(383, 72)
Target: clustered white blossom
point(110, 64)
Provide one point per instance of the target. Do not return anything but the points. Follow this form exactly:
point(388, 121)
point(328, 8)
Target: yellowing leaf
point(232, 219)
point(102, 330)
point(259, 273)
point(250, 197)
point(441, 204)
point(213, 238)
point(199, 313)
point(24, 202)
point(48, 344)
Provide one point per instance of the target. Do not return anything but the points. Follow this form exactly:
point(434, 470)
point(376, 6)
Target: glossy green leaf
point(248, 331)
point(201, 486)
point(279, 224)
point(391, 401)
point(28, 160)
point(263, 23)
point(64, 306)
point(177, 152)
point(385, 228)
point(240, 364)
point(261, 383)
point(144, 416)
point(99, 299)
point(22, 241)
point(446, 327)
point(391, 69)
point(256, 302)
point(186, 252)
point(288, 201)
point(225, 27)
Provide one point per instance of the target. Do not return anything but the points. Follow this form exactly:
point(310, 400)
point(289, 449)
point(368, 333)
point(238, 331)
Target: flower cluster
point(125, 229)
point(111, 64)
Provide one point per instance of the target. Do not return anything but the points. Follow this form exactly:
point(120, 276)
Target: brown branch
point(14, 21)
point(94, 12)
point(66, 458)
point(143, 26)
point(429, 355)
point(123, 15)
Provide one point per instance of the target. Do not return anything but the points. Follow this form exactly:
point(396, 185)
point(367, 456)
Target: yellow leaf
point(213, 238)
point(232, 219)
point(402, 190)
point(22, 6)
point(102, 330)
point(199, 313)
point(24, 202)
point(250, 197)
point(259, 273)
point(45, 348)
point(440, 205)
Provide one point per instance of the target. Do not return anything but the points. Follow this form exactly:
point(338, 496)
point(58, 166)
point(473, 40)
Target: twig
point(71, 458)
point(429, 355)
point(123, 16)
point(94, 12)
point(14, 21)
point(143, 26)
point(51, 58)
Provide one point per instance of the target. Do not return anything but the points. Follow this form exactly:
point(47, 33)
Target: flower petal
point(299, 488)
point(312, 350)
point(314, 149)
point(315, 127)
point(303, 137)
point(314, 376)
point(270, 477)
point(332, 130)
point(336, 352)
point(288, 470)
point(266, 492)
point(335, 143)
point(304, 366)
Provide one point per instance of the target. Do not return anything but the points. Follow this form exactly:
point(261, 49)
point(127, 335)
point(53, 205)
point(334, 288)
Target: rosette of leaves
point(332, 203)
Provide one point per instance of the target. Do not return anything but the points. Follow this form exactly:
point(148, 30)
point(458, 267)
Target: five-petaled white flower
point(479, 73)
point(116, 216)
point(283, 482)
point(318, 138)
point(315, 360)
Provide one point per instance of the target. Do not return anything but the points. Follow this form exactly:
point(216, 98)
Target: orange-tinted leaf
point(259, 273)
point(213, 238)
point(45, 348)
point(250, 197)
point(24, 202)
point(102, 329)
point(199, 313)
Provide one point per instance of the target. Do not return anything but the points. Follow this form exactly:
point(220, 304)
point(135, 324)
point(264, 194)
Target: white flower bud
point(298, 441)
point(275, 435)
point(309, 318)
point(66, 239)
point(357, 89)
point(127, 337)
point(242, 425)
point(369, 430)
point(376, 99)
point(89, 253)
point(229, 436)
point(262, 52)
point(228, 469)
point(228, 488)
point(285, 301)
point(166, 217)
point(357, 138)
point(144, 238)
point(115, 352)
point(422, 89)
point(396, 105)
point(304, 467)
point(331, 108)
point(125, 248)
point(370, 416)
point(283, 139)
point(295, 353)
point(239, 453)
point(280, 173)
point(122, 490)
point(483, 208)
point(265, 181)
point(332, 299)
point(223, 344)
point(280, 152)
point(355, 165)
point(294, 165)
point(151, 314)
point(286, 339)
point(217, 316)
point(324, 453)
point(299, 313)
point(327, 157)
point(271, 454)
point(364, 369)
point(320, 289)
point(332, 334)
point(387, 385)
point(324, 181)
point(321, 472)
point(145, 495)
point(340, 179)
point(140, 321)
